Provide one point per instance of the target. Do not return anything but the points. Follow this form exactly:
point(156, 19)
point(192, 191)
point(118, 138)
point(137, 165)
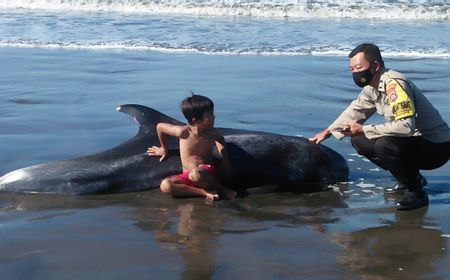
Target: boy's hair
point(371, 52)
point(195, 106)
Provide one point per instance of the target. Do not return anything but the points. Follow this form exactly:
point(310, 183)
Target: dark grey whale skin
point(258, 159)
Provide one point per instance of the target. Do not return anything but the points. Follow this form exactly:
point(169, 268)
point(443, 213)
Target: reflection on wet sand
point(406, 248)
point(265, 236)
point(194, 237)
point(196, 229)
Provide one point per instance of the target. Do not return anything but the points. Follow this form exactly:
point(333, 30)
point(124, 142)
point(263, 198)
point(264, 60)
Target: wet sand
point(272, 236)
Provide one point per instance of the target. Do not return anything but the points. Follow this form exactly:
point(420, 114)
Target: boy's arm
point(163, 130)
point(221, 148)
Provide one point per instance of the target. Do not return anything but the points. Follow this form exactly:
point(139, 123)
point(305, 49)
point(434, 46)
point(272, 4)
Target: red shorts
point(185, 175)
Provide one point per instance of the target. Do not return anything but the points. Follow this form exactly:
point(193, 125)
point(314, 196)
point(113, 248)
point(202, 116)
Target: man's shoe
point(399, 188)
point(412, 199)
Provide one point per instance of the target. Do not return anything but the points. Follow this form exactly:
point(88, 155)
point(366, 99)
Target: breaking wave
point(373, 9)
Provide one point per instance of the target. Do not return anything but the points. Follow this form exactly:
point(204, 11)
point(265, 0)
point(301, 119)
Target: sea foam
point(372, 9)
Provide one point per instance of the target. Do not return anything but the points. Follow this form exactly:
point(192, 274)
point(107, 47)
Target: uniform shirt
point(407, 112)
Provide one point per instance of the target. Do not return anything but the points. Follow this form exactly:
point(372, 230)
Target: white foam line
point(137, 47)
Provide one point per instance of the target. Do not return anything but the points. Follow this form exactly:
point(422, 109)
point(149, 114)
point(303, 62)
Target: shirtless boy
point(197, 140)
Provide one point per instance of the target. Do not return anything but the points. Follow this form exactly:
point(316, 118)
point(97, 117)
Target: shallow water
point(59, 103)
point(286, 236)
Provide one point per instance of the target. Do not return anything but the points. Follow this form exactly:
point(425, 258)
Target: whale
point(257, 158)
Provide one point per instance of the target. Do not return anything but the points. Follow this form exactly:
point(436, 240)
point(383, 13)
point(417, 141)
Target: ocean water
point(401, 28)
point(278, 66)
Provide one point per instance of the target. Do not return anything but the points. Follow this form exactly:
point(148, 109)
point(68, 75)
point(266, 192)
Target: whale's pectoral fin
point(146, 117)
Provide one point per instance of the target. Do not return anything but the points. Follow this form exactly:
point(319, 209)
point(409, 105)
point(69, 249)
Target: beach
point(58, 97)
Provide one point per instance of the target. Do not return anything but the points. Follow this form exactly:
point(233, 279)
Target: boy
point(197, 140)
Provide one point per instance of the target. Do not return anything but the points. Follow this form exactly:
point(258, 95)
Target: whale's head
point(14, 176)
point(14, 179)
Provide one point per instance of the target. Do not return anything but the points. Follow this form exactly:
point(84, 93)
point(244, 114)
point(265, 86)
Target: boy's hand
point(157, 152)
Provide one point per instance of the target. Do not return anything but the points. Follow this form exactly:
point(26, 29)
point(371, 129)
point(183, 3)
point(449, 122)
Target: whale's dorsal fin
point(146, 117)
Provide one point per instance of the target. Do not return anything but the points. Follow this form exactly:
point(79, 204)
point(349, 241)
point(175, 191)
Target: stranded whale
point(258, 159)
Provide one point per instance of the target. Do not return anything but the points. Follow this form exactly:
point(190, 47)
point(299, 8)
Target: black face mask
point(362, 78)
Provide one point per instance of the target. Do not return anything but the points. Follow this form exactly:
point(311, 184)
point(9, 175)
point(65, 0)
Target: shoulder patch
point(401, 103)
